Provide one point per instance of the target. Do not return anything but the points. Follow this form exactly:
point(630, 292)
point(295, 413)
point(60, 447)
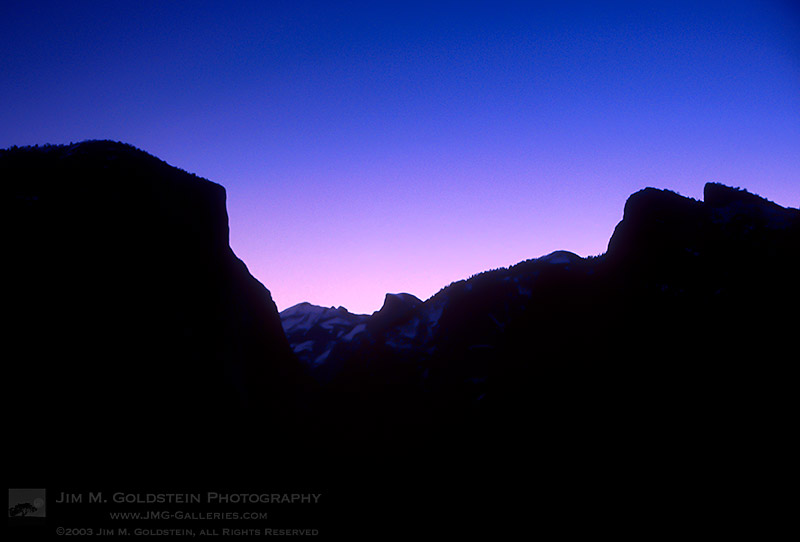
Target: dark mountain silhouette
point(619, 387)
point(687, 291)
point(133, 323)
point(663, 364)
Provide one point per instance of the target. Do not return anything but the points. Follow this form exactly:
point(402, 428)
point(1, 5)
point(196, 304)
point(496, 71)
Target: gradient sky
point(384, 147)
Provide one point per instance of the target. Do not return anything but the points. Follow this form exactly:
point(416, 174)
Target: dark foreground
point(644, 391)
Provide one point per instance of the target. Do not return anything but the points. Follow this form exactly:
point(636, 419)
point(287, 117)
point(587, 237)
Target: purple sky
point(384, 147)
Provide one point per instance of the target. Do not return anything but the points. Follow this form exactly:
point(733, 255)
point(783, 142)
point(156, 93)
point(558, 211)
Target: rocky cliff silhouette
point(134, 327)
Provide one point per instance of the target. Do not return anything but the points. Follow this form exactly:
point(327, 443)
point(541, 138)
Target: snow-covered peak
point(304, 316)
point(314, 331)
point(560, 257)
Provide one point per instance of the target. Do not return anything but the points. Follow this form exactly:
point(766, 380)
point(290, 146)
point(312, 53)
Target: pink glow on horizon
point(351, 254)
point(372, 147)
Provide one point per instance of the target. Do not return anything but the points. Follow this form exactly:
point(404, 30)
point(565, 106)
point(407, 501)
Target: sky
point(376, 147)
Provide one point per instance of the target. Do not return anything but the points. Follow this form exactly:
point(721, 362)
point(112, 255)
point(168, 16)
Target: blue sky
point(384, 147)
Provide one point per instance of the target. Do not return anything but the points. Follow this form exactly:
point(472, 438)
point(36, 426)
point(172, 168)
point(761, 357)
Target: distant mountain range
point(689, 295)
point(663, 367)
point(671, 355)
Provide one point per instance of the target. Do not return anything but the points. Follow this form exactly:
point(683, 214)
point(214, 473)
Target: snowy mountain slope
point(314, 331)
point(407, 328)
